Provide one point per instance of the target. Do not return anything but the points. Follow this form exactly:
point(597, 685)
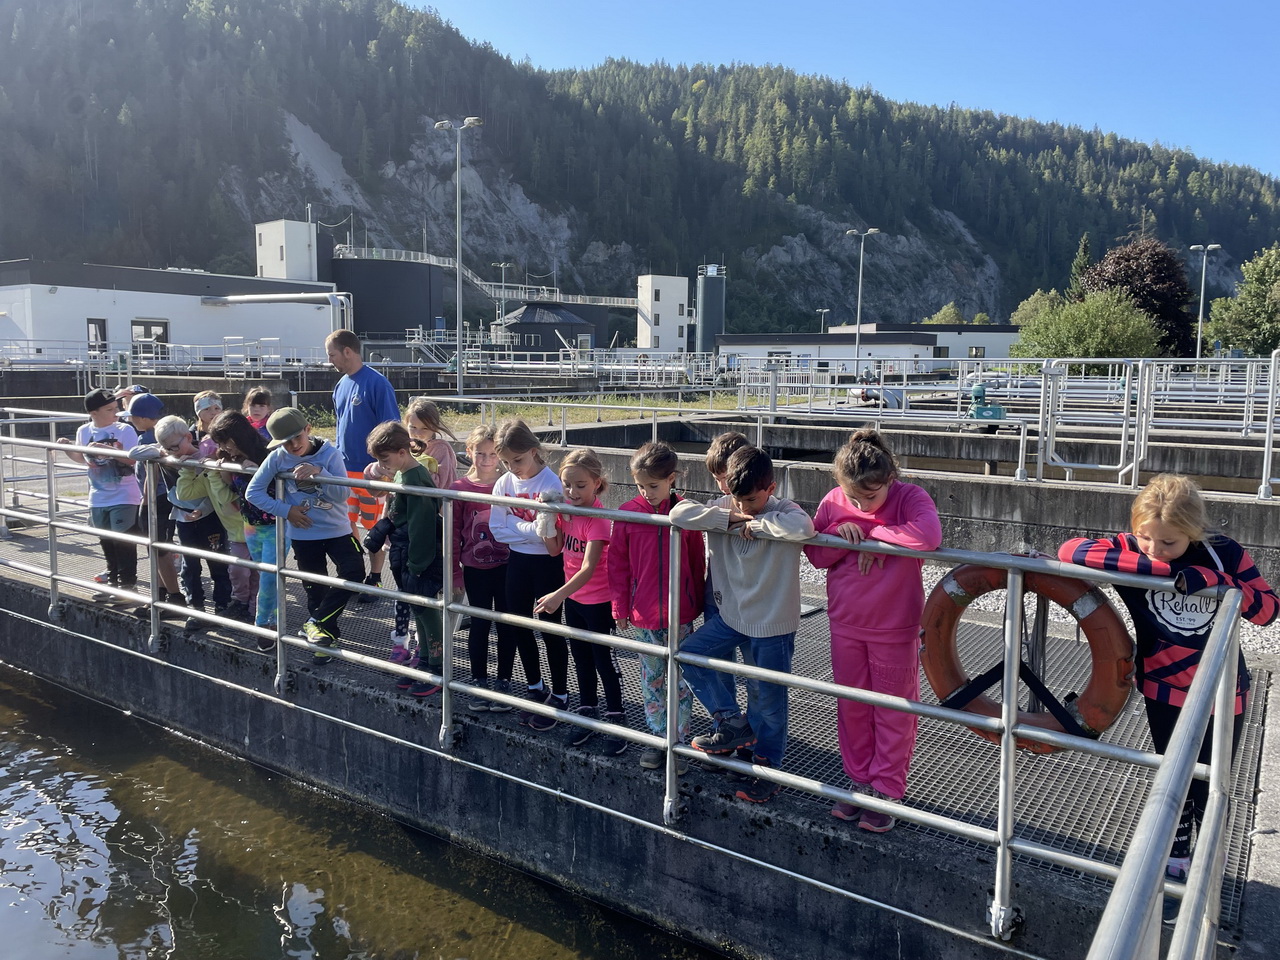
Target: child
point(208, 405)
point(583, 543)
point(239, 442)
point(257, 408)
point(638, 578)
point(531, 571)
point(195, 519)
point(318, 526)
point(874, 605)
point(480, 565)
point(718, 452)
point(422, 418)
point(145, 411)
point(758, 605)
point(1171, 538)
point(412, 523)
point(114, 494)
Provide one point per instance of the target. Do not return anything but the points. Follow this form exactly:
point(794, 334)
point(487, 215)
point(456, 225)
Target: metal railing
point(1126, 929)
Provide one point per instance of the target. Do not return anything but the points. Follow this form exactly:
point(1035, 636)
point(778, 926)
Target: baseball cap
point(146, 405)
point(285, 424)
point(98, 398)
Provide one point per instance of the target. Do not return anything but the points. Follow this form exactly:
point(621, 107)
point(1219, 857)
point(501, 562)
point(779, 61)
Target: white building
point(286, 250)
point(662, 313)
point(896, 348)
point(60, 312)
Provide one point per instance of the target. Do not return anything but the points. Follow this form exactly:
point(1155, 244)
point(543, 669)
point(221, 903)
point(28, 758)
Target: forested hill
point(154, 132)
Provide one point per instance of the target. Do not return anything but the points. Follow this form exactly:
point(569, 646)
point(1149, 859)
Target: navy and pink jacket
point(1171, 625)
point(886, 602)
point(638, 568)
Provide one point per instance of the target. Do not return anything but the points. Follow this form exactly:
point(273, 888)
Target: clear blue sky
point(1196, 75)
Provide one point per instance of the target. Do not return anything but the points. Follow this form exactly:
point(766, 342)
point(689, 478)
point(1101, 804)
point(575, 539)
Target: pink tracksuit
point(875, 628)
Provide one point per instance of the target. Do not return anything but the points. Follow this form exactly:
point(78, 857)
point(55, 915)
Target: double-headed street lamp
point(450, 125)
point(862, 246)
point(822, 319)
point(1203, 250)
point(503, 267)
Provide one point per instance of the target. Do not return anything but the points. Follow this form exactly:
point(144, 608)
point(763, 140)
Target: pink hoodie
point(887, 601)
point(638, 569)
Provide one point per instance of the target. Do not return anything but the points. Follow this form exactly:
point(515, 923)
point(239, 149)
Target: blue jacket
point(326, 503)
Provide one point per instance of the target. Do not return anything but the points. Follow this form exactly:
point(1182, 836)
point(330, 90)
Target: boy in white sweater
point(757, 594)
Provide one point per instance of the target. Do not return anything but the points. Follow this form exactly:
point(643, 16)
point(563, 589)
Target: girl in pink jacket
point(638, 583)
point(874, 603)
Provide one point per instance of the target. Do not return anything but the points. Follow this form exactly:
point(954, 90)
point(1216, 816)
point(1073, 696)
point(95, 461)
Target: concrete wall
point(654, 874)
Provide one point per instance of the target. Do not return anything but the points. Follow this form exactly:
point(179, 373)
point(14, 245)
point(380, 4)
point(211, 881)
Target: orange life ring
point(1110, 647)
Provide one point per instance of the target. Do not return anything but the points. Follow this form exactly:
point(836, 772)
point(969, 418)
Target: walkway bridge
point(999, 853)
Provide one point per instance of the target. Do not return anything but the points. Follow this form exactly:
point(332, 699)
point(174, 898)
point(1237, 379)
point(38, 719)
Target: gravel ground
point(1256, 642)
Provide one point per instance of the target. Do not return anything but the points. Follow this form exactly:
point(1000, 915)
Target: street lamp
point(1204, 267)
point(457, 264)
point(503, 267)
point(822, 319)
point(862, 246)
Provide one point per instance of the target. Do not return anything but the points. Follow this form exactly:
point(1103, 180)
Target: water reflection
point(119, 838)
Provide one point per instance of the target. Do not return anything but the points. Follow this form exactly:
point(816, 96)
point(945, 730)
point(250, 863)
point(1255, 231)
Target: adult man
point(362, 399)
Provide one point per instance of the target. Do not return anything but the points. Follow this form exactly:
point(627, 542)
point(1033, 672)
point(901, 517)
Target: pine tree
point(1079, 266)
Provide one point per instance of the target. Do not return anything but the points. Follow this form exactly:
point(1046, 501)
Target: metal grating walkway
point(1073, 802)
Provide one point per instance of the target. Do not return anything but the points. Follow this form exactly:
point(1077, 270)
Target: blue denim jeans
point(766, 702)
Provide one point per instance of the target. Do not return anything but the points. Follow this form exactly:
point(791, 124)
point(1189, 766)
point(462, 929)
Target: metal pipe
point(447, 621)
point(51, 507)
point(1001, 914)
point(1269, 444)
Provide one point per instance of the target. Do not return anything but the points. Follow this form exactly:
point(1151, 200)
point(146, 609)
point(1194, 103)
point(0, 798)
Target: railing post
point(4, 522)
point(1001, 913)
point(51, 510)
point(153, 554)
point(1268, 449)
point(282, 595)
point(446, 626)
point(670, 809)
point(564, 426)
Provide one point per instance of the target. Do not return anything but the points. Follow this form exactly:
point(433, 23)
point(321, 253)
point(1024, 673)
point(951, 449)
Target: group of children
point(607, 577)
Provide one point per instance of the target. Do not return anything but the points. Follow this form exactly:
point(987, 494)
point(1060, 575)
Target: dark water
point(120, 839)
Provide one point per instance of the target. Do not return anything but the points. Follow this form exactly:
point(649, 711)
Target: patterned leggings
point(653, 686)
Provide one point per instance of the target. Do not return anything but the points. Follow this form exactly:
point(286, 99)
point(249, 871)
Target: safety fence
point(1130, 926)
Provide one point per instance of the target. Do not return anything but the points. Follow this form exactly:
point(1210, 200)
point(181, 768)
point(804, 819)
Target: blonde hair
point(585, 459)
point(1174, 500)
point(480, 433)
point(514, 436)
point(864, 460)
point(426, 411)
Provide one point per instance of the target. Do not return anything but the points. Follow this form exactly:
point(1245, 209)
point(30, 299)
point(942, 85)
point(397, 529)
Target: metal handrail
point(1002, 837)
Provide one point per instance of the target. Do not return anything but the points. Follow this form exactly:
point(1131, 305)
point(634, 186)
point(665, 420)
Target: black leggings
point(592, 660)
point(1161, 718)
point(487, 589)
point(530, 576)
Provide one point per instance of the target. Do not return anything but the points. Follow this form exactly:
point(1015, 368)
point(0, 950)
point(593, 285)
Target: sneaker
point(103, 577)
point(424, 688)
point(192, 624)
point(237, 610)
point(746, 755)
point(372, 580)
point(758, 789)
point(537, 695)
point(846, 811)
point(541, 723)
point(610, 745)
point(580, 735)
point(399, 654)
point(267, 643)
point(500, 686)
point(479, 704)
point(319, 635)
point(877, 822)
point(178, 600)
point(729, 734)
point(651, 758)
point(1177, 869)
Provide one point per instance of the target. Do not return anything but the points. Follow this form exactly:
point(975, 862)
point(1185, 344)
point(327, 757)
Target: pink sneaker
point(400, 655)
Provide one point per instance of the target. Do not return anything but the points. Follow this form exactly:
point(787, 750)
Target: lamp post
point(1203, 250)
point(457, 263)
point(822, 319)
point(503, 267)
point(862, 246)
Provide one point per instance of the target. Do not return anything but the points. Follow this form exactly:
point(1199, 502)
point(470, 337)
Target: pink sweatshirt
point(638, 568)
point(473, 542)
point(886, 602)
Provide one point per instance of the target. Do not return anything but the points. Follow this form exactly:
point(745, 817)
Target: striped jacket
point(1173, 626)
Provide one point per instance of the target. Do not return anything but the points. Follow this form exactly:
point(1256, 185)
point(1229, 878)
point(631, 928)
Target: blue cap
point(146, 405)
